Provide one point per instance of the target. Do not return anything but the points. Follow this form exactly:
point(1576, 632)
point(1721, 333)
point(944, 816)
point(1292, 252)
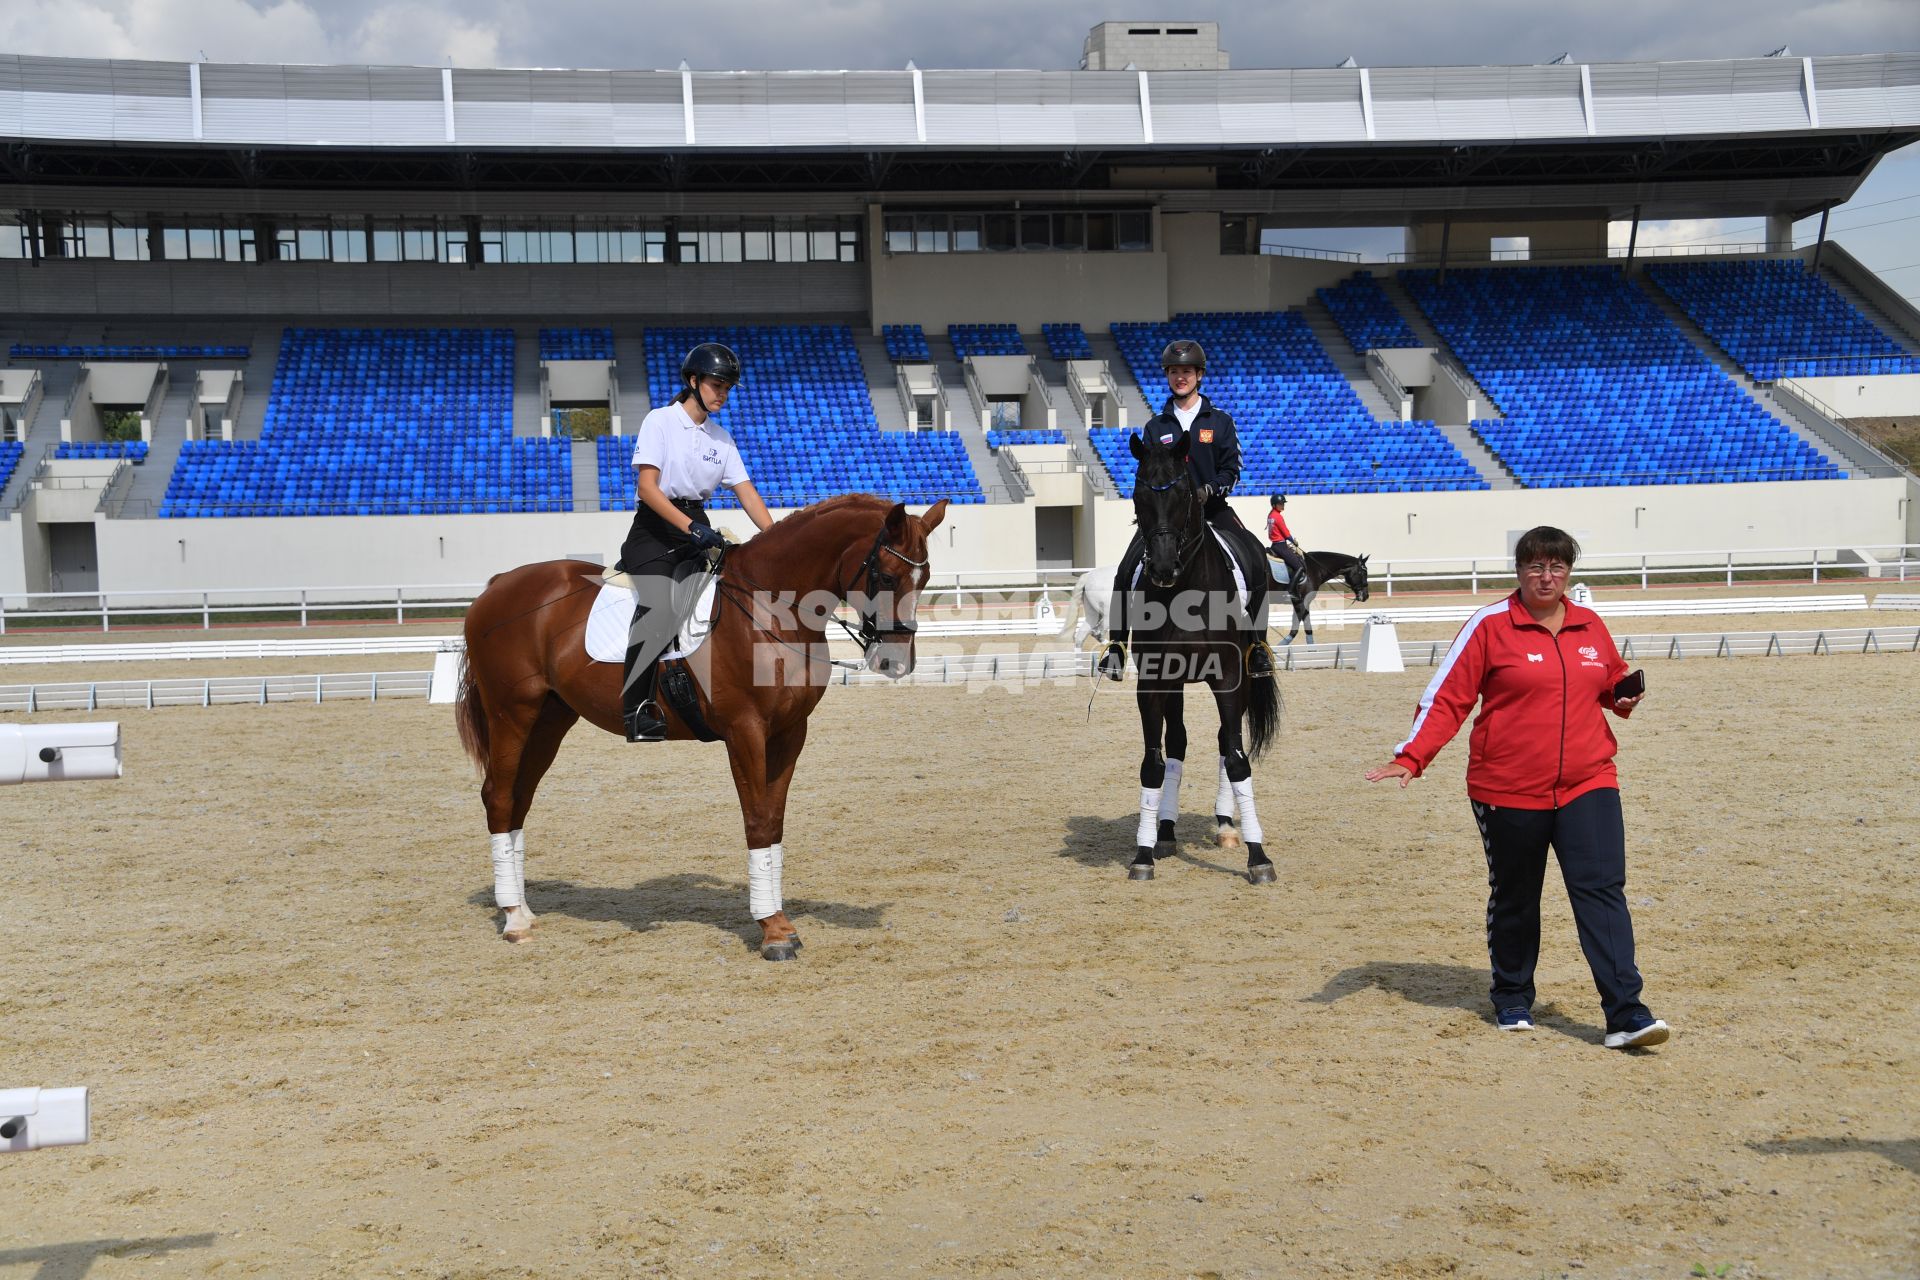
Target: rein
point(870, 631)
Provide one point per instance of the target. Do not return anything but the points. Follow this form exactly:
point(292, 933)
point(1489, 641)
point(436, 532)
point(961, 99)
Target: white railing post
point(206, 611)
point(399, 606)
point(1643, 573)
point(303, 606)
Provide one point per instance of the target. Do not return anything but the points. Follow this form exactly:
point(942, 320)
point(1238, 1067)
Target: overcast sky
point(830, 34)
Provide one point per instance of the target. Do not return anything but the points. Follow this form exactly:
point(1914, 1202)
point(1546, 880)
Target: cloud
point(288, 31)
point(827, 34)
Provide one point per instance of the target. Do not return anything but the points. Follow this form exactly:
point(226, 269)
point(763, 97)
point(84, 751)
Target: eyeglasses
point(1553, 569)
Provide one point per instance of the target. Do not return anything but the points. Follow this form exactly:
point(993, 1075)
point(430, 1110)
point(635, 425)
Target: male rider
point(1213, 459)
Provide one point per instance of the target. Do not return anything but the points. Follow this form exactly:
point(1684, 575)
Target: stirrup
point(642, 727)
point(1263, 670)
point(1100, 666)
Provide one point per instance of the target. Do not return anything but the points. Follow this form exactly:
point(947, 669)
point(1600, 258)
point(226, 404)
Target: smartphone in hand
point(1632, 686)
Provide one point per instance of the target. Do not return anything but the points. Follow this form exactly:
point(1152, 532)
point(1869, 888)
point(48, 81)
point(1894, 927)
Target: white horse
point(1093, 594)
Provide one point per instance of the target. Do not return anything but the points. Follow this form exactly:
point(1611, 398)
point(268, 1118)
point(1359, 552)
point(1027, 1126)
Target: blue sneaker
point(1518, 1018)
point(1641, 1031)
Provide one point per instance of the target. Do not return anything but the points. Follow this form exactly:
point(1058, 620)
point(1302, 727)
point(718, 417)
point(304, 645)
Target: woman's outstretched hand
point(1392, 769)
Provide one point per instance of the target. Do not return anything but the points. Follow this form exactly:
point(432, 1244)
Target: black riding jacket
point(1213, 448)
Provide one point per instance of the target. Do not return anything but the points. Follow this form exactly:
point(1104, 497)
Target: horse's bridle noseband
point(880, 582)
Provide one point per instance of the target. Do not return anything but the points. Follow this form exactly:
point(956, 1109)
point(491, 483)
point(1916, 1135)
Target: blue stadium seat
point(803, 419)
point(133, 450)
point(111, 351)
point(1029, 435)
point(1776, 321)
point(986, 340)
point(576, 344)
point(1066, 342)
point(906, 343)
point(1302, 428)
point(1366, 315)
point(1598, 387)
point(380, 421)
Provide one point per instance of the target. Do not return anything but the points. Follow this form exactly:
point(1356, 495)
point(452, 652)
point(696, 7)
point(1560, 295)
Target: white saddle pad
point(1239, 579)
point(611, 620)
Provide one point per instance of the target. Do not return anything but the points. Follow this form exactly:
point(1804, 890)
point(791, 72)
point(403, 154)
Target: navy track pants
point(1588, 835)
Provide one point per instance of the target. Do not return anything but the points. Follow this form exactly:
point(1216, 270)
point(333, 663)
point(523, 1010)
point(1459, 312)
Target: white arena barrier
point(32, 1119)
point(58, 752)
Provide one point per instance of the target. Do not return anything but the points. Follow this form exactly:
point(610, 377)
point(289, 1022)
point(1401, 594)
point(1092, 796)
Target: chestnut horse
point(761, 671)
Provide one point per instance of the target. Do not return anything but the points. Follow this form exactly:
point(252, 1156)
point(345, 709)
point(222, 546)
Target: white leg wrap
point(1223, 799)
point(506, 884)
point(1249, 820)
point(763, 881)
point(1149, 831)
point(1170, 792)
point(520, 862)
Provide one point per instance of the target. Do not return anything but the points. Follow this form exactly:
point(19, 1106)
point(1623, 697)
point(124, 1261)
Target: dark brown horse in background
point(527, 677)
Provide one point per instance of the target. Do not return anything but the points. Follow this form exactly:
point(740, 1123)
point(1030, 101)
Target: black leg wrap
point(1166, 831)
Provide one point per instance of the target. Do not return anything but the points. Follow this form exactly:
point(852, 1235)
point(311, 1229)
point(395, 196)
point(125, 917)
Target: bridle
point(1188, 547)
point(870, 632)
point(880, 583)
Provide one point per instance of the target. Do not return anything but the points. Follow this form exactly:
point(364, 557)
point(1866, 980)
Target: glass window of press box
point(454, 241)
point(1020, 231)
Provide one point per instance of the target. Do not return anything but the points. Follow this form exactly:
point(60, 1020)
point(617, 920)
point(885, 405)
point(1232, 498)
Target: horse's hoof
point(1140, 871)
point(1166, 835)
point(788, 950)
point(1261, 873)
point(518, 926)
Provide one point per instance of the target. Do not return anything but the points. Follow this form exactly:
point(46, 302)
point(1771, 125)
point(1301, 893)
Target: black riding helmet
point(1184, 351)
point(708, 360)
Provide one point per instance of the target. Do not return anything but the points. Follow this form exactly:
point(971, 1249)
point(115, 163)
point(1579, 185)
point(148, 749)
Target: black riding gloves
point(705, 537)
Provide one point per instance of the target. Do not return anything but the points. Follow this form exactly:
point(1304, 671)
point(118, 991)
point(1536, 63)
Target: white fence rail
point(98, 695)
point(305, 606)
point(975, 668)
point(1844, 603)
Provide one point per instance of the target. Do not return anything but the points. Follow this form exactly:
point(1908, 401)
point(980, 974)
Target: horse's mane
point(799, 523)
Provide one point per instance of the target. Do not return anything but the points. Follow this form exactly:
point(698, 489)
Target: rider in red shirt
point(1280, 543)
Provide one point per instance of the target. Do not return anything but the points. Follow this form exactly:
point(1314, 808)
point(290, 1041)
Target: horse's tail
point(1263, 714)
point(470, 714)
point(469, 709)
point(1076, 605)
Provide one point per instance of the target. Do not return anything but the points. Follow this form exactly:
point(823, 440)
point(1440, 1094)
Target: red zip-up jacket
point(1277, 530)
point(1541, 738)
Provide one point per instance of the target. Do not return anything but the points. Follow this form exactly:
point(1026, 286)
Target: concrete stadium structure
point(202, 205)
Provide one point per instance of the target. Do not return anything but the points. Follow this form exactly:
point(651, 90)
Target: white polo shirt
point(694, 458)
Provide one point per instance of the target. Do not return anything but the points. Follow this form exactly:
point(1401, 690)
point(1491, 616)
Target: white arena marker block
point(1380, 646)
point(1045, 621)
point(446, 677)
point(1581, 594)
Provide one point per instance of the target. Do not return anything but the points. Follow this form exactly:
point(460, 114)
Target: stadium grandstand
point(341, 324)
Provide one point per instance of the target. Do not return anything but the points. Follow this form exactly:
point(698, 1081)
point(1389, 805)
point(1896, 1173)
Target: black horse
point(1323, 567)
point(1190, 631)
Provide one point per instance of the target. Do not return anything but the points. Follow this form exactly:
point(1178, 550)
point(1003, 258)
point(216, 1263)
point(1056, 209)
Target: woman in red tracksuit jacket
point(1539, 773)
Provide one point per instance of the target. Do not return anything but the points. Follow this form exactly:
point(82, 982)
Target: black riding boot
point(1113, 659)
point(638, 711)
